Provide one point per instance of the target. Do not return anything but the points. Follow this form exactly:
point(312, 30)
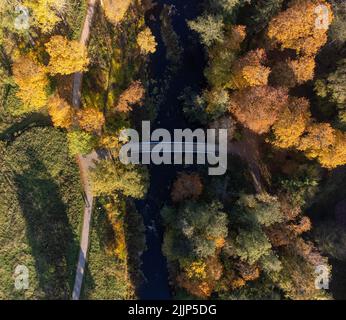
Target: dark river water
point(170, 116)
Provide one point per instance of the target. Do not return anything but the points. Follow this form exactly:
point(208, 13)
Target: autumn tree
point(32, 81)
point(335, 155)
point(318, 138)
point(131, 96)
point(60, 111)
point(112, 177)
point(200, 277)
point(90, 119)
point(146, 41)
point(302, 68)
point(45, 14)
point(291, 123)
point(291, 72)
point(115, 10)
point(249, 70)
point(258, 107)
point(66, 56)
point(295, 28)
point(187, 186)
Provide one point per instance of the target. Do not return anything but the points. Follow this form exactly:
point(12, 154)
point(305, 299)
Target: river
point(170, 116)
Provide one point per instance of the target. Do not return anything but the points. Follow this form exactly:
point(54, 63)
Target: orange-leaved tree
point(302, 26)
point(257, 108)
point(187, 186)
point(90, 119)
point(249, 70)
point(134, 94)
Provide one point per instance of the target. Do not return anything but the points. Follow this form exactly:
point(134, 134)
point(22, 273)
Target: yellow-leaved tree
point(115, 10)
point(31, 78)
point(291, 123)
point(146, 41)
point(317, 138)
point(66, 56)
point(45, 14)
point(60, 111)
point(335, 155)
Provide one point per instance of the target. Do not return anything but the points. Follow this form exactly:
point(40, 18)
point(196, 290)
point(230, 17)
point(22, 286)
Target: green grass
point(105, 275)
point(40, 214)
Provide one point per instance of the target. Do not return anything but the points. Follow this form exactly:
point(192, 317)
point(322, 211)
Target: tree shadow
point(49, 232)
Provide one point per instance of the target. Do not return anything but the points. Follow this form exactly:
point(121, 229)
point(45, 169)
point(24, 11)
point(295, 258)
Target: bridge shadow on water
point(170, 116)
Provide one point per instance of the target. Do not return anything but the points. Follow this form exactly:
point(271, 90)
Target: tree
point(265, 209)
point(80, 142)
point(193, 230)
point(45, 14)
point(303, 69)
point(222, 56)
point(66, 56)
point(262, 12)
point(257, 108)
point(251, 245)
point(335, 155)
point(290, 73)
point(112, 177)
point(217, 101)
point(60, 111)
point(318, 138)
point(333, 88)
point(131, 96)
point(209, 27)
point(337, 30)
point(249, 70)
point(146, 41)
point(32, 81)
point(291, 123)
point(295, 28)
point(90, 119)
point(187, 186)
point(225, 6)
point(115, 10)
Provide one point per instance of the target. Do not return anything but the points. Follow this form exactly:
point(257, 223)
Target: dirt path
point(84, 163)
point(248, 150)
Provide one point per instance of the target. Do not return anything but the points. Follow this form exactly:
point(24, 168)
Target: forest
point(76, 73)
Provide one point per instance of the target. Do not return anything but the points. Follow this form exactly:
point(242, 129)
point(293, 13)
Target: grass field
point(40, 214)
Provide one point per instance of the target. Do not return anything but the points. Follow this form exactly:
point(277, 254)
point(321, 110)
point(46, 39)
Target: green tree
point(80, 142)
point(210, 28)
point(333, 88)
point(194, 229)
